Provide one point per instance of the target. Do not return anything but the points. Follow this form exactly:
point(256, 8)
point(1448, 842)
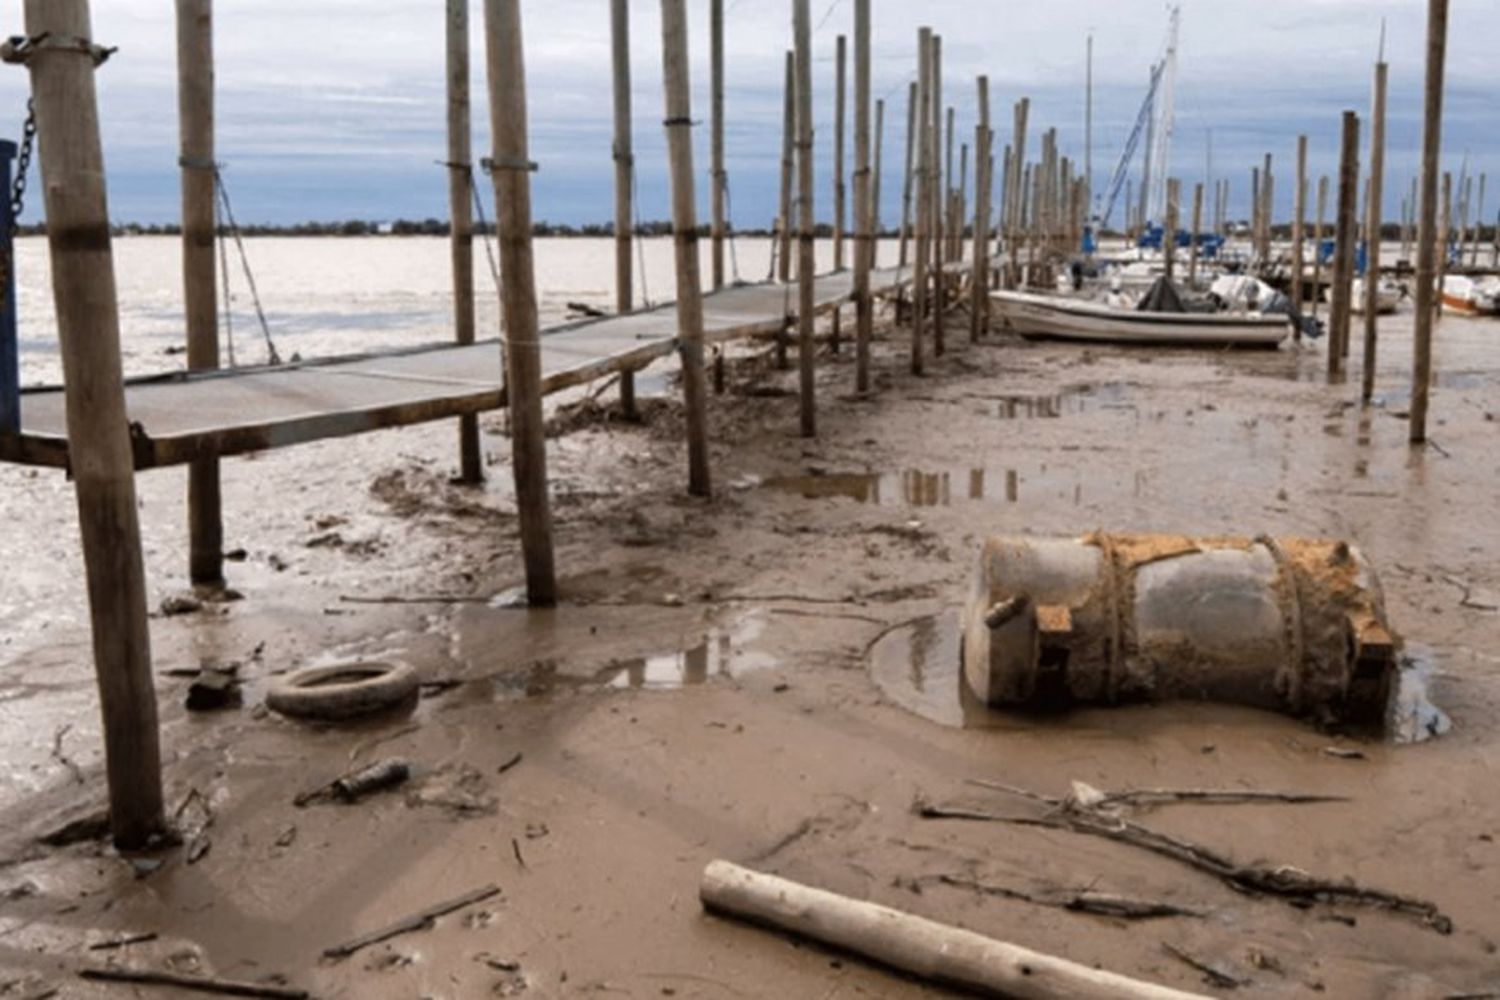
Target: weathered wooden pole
point(864, 204)
point(624, 157)
point(920, 289)
point(960, 202)
point(806, 269)
point(511, 171)
point(936, 198)
point(1299, 216)
point(1373, 212)
point(99, 453)
point(1318, 244)
point(1255, 206)
point(716, 135)
point(875, 224)
point(461, 218)
point(1346, 234)
point(841, 60)
point(1445, 223)
point(1268, 208)
point(788, 154)
point(906, 188)
point(1427, 249)
point(1410, 236)
point(980, 281)
point(1197, 223)
point(195, 109)
point(1478, 223)
point(1018, 194)
point(679, 124)
point(1169, 229)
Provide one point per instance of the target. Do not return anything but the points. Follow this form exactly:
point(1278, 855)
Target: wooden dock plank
point(182, 417)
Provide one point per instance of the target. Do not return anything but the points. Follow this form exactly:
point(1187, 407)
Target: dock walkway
point(184, 416)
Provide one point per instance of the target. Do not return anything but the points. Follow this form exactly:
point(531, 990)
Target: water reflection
point(909, 487)
point(720, 654)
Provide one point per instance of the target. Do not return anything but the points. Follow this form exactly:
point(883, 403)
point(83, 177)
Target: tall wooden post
point(920, 297)
point(840, 102)
point(679, 124)
point(1427, 249)
point(1197, 224)
point(195, 108)
point(1478, 222)
point(523, 348)
point(1299, 215)
point(906, 188)
point(1318, 245)
point(980, 281)
point(624, 156)
point(1373, 214)
point(716, 134)
point(806, 270)
point(788, 154)
point(461, 218)
point(875, 223)
point(1018, 191)
point(864, 207)
point(99, 454)
point(1346, 235)
point(1256, 204)
point(935, 198)
point(1169, 229)
point(1267, 209)
point(1445, 223)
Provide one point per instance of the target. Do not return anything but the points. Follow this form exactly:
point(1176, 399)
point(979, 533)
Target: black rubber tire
point(343, 690)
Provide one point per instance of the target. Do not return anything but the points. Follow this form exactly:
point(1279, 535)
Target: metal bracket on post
point(10, 371)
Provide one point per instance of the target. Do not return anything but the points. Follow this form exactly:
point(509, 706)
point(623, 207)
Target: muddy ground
point(704, 692)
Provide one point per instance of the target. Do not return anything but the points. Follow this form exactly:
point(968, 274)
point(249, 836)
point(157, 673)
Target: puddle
point(1070, 402)
point(917, 667)
point(722, 653)
point(1411, 717)
point(908, 488)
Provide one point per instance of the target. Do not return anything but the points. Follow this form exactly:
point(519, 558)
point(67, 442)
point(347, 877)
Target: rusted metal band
point(1291, 614)
point(490, 165)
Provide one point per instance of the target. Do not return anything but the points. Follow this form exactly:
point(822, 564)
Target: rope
point(272, 356)
point(640, 243)
point(489, 250)
point(224, 280)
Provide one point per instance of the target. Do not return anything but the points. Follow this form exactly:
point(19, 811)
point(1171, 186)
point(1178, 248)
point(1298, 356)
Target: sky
point(334, 109)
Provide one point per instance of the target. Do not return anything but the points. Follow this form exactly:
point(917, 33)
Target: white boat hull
point(1044, 316)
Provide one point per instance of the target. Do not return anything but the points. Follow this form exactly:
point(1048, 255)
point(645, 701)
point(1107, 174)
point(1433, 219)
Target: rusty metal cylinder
point(1293, 625)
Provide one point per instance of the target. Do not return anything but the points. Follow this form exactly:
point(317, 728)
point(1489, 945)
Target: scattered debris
point(62, 758)
point(1475, 598)
point(344, 691)
point(91, 826)
point(180, 604)
point(193, 818)
point(356, 785)
point(420, 921)
point(514, 759)
point(214, 688)
point(1283, 880)
point(1344, 753)
point(1212, 975)
point(203, 984)
point(1101, 904)
point(121, 942)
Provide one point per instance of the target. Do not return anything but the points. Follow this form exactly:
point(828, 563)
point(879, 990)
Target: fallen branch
point(121, 942)
point(913, 944)
point(420, 599)
point(1284, 880)
point(420, 921)
point(203, 984)
point(1207, 796)
point(1102, 904)
point(1216, 977)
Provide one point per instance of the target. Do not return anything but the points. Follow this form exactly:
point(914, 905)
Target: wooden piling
point(923, 132)
point(1267, 209)
point(875, 223)
point(511, 159)
point(1346, 234)
point(980, 281)
point(101, 462)
point(624, 157)
point(716, 137)
point(906, 188)
point(841, 60)
point(1018, 194)
point(461, 218)
point(1478, 223)
point(788, 153)
point(195, 109)
point(1169, 229)
point(1445, 223)
point(677, 85)
point(1299, 216)
point(806, 348)
point(1197, 223)
point(1318, 245)
point(936, 197)
point(1373, 214)
point(864, 204)
point(1427, 250)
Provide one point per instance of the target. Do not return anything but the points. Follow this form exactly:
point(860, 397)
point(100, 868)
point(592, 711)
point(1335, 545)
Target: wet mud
point(768, 677)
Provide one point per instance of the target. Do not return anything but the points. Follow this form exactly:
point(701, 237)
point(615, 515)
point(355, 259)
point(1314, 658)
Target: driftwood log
point(914, 944)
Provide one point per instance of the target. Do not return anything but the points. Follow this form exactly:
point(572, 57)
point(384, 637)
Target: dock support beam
point(923, 172)
point(806, 349)
point(936, 197)
point(979, 311)
point(1427, 250)
point(1299, 216)
point(1373, 206)
point(841, 102)
point(1197, 226)
point(1318, 243)
point(788, 160)
point(679, 125)
point(1346, 234)
point(716, 135)
point(906, 188)
point(864, 205)
point(88, 323)
point(523, 348)
point(195, 113)
point(624, 156)
point(461, 219)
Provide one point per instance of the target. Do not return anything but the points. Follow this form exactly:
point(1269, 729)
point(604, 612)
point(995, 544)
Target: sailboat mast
point(1163, 152)
point(1088, 128)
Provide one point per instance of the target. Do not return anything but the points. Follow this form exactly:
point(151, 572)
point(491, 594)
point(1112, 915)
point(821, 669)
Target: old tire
point(343, 690)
